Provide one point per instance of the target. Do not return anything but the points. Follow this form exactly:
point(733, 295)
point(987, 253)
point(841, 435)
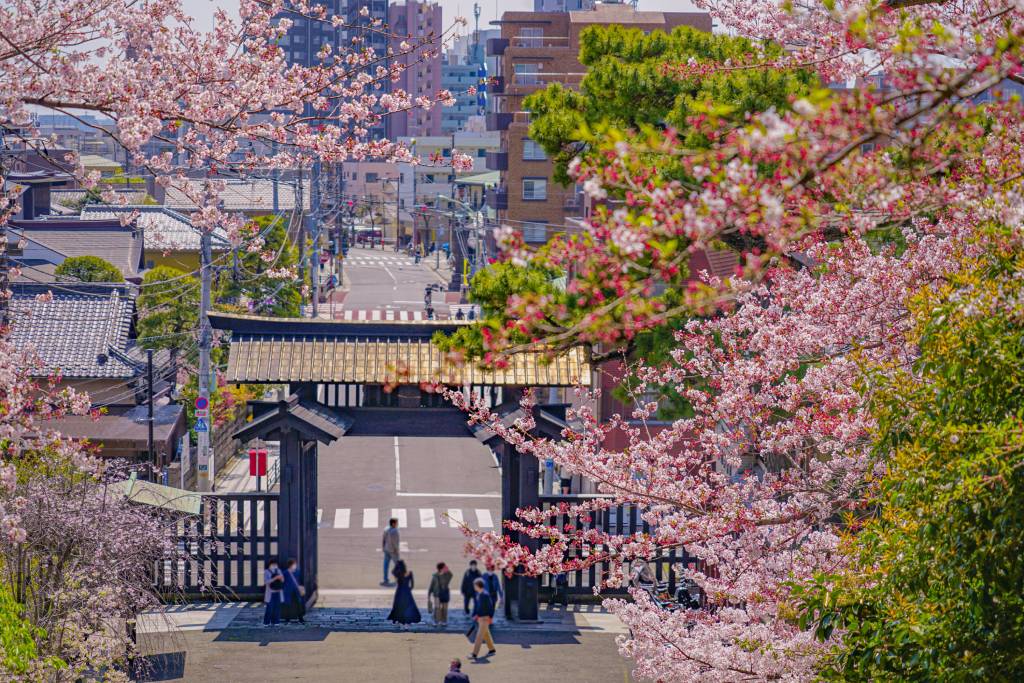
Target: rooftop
point(74, 332)
point(255, 194)
point(107, 239)
point(162, 228)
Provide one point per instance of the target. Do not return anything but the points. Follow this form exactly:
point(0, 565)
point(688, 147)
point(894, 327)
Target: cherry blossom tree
point(855, 200)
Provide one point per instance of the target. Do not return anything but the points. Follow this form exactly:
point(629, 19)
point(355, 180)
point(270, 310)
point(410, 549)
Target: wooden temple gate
point(329, 366)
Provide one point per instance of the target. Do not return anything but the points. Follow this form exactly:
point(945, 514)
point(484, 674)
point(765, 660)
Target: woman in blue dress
point(404, 610)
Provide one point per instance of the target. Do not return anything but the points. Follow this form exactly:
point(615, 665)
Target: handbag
point(471, 633)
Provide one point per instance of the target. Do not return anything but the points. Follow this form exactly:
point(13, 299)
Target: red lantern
point(257, 463)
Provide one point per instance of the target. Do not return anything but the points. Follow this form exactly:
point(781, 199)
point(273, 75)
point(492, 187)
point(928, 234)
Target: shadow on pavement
point(168, 666)
point(265, 636)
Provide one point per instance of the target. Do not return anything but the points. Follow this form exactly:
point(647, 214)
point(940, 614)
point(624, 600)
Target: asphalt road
point(427, 482)
point(317, 655)
point(386, 280)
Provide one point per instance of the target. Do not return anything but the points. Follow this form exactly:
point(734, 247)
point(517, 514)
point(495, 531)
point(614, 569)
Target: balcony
point(499, 120)
point(497, 198)
point(574, 203)
point(496, 85)
point(497, 161)
point(496, 46)
point(546, 42)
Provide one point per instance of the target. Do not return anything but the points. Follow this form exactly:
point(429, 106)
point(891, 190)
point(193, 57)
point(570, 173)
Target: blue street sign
point(201, 425)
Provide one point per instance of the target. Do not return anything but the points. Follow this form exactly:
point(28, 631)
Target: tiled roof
point(274, 359)
point(244, 195)
point(109, 240)
point(162, 228)
point(72, 197)
point(73, 332)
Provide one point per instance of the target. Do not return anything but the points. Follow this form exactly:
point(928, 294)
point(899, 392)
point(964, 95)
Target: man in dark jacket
point(492, 584)
point(471, 575)
point(483, 614)
point(455, 674)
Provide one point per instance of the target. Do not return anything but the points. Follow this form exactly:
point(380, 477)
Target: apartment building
point(534, 50)
point(417, 22)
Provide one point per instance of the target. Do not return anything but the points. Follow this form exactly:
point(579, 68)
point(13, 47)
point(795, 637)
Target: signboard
point(257, 463)
point(202, 403)
point(202, 413)
point(202, 426)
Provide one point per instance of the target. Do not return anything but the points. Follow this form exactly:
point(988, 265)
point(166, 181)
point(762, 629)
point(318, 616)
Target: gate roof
point(276, 350)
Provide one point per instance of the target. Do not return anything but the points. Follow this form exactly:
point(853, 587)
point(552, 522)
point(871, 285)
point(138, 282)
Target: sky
point(203, 10)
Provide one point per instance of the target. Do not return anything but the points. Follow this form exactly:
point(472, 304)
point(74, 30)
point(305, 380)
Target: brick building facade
point(534, 50)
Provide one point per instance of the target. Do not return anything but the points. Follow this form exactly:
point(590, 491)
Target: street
point(384, 280)
point(429, 483)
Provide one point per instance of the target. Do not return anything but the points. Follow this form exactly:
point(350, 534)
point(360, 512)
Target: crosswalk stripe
point(455, 517)
point(483, 519)
point(341, 518)
point(417, 315)
point(389, 315)
point(427, 520)
point(403, 315)
point(399, 514)
point(348, 314)
point(370, 518)
point(362, 314)
point(376, 314)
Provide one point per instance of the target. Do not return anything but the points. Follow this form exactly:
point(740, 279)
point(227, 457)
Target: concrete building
point(465, 65)
point(562, 5)
point(534, 50)
point(418, 22)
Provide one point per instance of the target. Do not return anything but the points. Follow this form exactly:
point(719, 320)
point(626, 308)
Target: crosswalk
point(422, 518)
point(362, 314)
point(378, 259)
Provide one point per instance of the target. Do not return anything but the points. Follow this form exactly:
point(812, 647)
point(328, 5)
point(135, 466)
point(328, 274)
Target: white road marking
point(376, 314)
point(403, 315)
point(341, 518)
point(417, 315)
point(348, 314)
point(483, 519)
point(370, 518)
point(455, 517)
point(390, 315)
point(362, 314)
point(427, 520)
point(448, 495)
point(398, 469)
point(399, 514)
point(319, 516)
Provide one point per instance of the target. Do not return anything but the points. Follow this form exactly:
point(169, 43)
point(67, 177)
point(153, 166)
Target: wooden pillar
point(527, 592)
point(290, 510)
point(509, 502)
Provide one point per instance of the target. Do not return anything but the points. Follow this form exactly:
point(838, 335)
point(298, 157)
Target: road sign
point(202, 413)
point(202, 403)
point(202, 426)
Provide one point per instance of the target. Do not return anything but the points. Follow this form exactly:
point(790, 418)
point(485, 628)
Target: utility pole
point(206, 464)
point(149, 420)
point(300, 206)
point(314, 234)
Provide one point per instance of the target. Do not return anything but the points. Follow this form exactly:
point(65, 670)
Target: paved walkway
point(366, 611)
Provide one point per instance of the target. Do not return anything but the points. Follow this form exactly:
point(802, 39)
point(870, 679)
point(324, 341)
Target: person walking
point(439, 594)
point(492, 583)
point(390, 544)
point(404, 610)
point(455, 674)
point(468, 577)
point(273, 584)
point(294, 607)
point(483, 614)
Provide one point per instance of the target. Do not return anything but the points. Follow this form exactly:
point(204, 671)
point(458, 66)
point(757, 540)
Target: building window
point(535, 189)
point(372, 177)
point(535, 231)
point(531, 36)
point(532, 151)
point(528, 73)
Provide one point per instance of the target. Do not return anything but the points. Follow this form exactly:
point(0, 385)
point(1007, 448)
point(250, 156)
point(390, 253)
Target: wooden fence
point(222, 550)
point(618, 520)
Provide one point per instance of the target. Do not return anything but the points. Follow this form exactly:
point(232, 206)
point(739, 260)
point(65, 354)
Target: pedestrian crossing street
point(355, 258)
point(417, 518)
